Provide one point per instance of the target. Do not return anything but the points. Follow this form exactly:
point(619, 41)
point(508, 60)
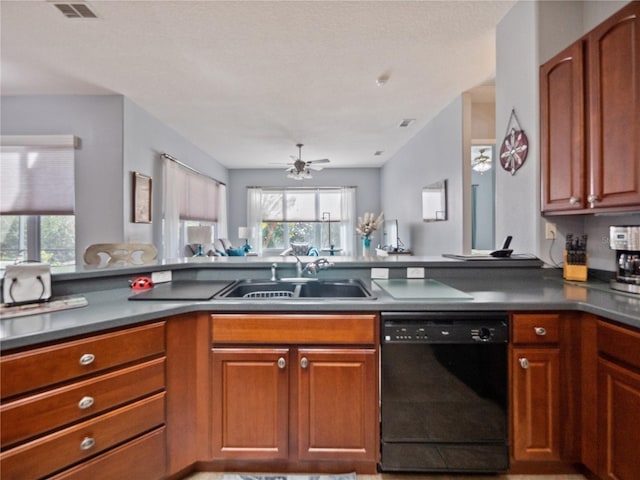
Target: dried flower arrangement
point(369, 224)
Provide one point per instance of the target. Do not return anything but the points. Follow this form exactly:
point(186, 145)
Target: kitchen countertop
point(502, 290)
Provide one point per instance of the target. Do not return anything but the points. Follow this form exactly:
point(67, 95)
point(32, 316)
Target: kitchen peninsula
point(176, 354)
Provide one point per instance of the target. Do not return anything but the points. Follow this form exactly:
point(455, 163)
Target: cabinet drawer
point(143, 457)
point(620, 343)
point(30, 416)
point(22, 372)
point(535, 329)
point(57, 450)
point(299, 329)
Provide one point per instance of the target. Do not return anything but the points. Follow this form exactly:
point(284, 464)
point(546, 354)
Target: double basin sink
point(296, 289)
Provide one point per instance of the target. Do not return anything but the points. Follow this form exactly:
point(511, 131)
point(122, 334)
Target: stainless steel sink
point(290, 289)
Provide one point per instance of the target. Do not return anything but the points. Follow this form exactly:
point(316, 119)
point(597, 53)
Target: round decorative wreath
point(514, 150)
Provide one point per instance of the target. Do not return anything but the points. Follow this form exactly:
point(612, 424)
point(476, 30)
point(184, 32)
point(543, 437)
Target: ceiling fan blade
point(322, 160)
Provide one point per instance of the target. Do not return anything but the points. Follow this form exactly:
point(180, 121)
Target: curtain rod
point(197, 172)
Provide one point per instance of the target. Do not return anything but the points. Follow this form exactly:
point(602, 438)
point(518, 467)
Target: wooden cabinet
point(85, 401)
point(250, 403)
point(618, 402)
point(535, 387)
point(335, 404)
point(590, 149)
point(300, 390)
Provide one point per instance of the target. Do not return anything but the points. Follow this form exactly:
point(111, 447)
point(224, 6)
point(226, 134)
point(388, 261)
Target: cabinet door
point(562, 131)
point(618, 421)
point(535, 403)
point(250, 389)
point(614, 106)
point(337, 404)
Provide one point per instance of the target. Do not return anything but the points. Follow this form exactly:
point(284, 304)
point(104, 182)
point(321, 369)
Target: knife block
point(573, 271)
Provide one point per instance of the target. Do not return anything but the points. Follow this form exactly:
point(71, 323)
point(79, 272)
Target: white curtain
point(254, 216)
point(348, 220)
point(171, 175)
point(223, 228)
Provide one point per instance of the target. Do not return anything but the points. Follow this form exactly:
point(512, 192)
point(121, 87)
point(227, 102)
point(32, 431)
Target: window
point(37, 220)
point(189, 199)
point(302, 215)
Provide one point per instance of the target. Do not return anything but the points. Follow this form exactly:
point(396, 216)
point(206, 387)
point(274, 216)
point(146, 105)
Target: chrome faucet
point(312, 267)
point(273, 272)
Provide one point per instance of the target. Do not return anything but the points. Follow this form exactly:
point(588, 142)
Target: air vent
point(406, 122)
point(75, 10)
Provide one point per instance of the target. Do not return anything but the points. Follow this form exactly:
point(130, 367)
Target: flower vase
point(366, 246)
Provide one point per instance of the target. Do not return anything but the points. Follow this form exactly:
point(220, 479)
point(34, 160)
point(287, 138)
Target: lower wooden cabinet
point(79, 408)
point(535, 403)
point(267, 400)
point(283, 399)
point(336, 406)
point(250, 412)
point(618, 402)
point(535, 387)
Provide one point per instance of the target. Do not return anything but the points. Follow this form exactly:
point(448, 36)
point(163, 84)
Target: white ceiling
point(247, 80)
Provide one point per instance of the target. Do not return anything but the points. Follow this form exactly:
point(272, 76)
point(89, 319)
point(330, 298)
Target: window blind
point(37, 175)
point(198, 197)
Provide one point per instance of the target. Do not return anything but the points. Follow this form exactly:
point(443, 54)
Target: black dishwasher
point(444, 392)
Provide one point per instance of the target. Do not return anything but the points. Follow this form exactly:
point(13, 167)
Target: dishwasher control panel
point(445, 330)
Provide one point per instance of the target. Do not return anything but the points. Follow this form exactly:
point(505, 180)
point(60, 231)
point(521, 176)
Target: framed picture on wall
point(141, 198)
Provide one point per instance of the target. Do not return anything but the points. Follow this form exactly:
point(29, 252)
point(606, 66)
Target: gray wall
point(366, 181)
point(117, 137)
point(435, 153)
point(145, 138)
point(528, 35)
point(97, 121)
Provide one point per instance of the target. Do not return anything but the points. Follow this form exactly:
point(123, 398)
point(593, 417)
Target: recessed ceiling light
point(382, 80)
point(406, 122)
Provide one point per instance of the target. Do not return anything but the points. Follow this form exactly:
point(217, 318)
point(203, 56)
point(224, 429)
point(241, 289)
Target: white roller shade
point(37, 175)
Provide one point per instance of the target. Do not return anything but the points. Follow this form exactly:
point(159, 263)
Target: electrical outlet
point(550, 231)
point(415, 272)
point(380, 273)
point(161, 277)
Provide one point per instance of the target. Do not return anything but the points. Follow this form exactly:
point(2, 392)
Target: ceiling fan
point(299, 169)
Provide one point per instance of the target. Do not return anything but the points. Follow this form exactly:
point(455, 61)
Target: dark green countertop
point(504, 289)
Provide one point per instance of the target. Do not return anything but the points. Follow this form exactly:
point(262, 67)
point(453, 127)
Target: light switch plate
point(380, 273)
point(161, 277)
point(415, 272)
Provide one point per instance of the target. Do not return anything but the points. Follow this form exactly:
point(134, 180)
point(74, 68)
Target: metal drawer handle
point(282, 363)
point(574, 200)
point(540, 331)
point(85, 402)
point(304, 362)
point(524, 363)
point(87, 443)
point(593, 199)
point(87, 359)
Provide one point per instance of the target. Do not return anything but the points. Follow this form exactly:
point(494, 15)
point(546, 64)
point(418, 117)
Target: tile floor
point(389, 476)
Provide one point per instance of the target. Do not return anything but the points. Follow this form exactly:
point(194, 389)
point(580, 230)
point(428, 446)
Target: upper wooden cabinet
point(590, 120)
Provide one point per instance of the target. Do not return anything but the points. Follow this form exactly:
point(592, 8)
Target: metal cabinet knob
point(282, 363)
point(87, 359)
point(540, 331)
point(304, 362)
point(85, 402)
point(574, 200)
point(593, 199)
point(524, 363)
point(88, 443)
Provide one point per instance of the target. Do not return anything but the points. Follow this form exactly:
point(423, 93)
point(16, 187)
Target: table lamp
point(245, 233)
point(199, 236)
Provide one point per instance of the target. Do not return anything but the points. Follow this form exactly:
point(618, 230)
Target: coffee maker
point(625, 240)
